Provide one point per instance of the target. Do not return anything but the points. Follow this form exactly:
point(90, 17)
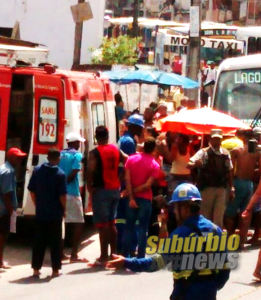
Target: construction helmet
point(185, 192)
point(136, 120)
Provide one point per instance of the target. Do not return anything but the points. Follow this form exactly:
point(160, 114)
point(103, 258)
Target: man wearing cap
point(189, 284)
point(128, 144)
point(8, 200)
point(209, 78)
point(215, 175)
point(70, 163)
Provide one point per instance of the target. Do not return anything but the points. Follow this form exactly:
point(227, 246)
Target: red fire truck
point(40, 106)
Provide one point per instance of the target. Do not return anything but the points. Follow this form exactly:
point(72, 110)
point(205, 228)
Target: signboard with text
point(224, 44)
point(48, 121)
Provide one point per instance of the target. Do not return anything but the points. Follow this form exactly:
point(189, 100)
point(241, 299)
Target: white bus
point(251, 36)
point(238, 88)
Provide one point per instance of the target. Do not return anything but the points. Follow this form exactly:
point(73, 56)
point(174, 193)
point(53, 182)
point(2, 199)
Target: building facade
point(51, 23)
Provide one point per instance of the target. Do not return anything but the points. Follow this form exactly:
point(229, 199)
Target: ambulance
point(39, 106)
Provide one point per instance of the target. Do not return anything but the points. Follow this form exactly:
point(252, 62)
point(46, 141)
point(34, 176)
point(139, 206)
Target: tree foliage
point(121, 50)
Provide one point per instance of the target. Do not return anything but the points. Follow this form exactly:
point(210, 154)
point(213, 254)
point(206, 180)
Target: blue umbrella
point(173, 79)
point(116, 76)
point(151, 77)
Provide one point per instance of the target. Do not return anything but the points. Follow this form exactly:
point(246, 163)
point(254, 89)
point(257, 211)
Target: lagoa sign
point(251, 77)
point(208, 43)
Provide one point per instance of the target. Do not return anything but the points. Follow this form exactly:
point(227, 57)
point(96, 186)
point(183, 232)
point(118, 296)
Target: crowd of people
point(224, 168)
point(131, 184)
point(208, 77)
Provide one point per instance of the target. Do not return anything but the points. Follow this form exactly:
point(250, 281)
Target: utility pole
point(193, 61)
point(135, 24)
point(77, 41)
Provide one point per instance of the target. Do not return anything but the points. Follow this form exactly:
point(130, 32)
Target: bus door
point(47, 127)
point(5, 89)
point(96, 109)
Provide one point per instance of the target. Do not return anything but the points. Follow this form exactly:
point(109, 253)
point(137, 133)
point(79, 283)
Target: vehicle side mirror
point(35, 160)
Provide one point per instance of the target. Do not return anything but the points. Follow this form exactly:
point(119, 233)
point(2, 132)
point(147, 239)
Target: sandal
point(78, 260)
point(5, 267)
point(97, 263)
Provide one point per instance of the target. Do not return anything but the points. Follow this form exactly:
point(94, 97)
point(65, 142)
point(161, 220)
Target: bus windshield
point(238, 93)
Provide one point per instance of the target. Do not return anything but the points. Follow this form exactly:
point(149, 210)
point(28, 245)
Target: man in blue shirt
point(70, 163)
point(8, 200)
point(120, 112)
point(127, 144)
point(190, 283)
point(48, 191)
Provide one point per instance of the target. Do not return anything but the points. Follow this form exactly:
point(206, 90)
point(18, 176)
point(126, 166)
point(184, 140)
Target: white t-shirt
point(167, 68)
point(211, 74)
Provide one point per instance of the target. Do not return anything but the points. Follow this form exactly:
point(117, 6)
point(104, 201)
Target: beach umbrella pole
point(140, 97)
point(127, 99)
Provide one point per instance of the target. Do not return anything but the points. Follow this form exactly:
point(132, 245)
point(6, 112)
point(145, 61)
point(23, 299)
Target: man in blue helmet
point(127, 144)
point(128, 141)
point(189, 284)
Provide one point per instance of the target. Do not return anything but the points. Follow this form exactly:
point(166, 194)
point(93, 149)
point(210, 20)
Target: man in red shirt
point(177, 65)
point(104, 186)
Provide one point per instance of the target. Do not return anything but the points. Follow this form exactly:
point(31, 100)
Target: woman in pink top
point(141, 170)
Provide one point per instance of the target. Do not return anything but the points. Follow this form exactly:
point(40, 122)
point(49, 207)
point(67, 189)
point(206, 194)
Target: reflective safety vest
point(123, 221)
point(186, 273)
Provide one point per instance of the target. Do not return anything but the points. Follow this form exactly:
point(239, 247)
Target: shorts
point(243, 194)
point(104, 206)
point(5, 221)
point(74, 209)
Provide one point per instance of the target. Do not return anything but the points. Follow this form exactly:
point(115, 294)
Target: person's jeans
point(142, 214)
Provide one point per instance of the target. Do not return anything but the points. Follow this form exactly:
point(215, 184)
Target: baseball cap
point(216, 133)
point(15, 152)
point(74, 137)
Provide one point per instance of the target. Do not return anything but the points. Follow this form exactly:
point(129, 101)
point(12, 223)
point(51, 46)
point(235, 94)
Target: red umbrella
point(200, 121)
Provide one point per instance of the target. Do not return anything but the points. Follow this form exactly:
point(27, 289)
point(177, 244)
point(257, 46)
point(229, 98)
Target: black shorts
point(5, 224)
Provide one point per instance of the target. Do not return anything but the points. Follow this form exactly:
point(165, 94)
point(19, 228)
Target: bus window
point(98, 116)
point(258, 45)
point(238, 93)
point(251, 45)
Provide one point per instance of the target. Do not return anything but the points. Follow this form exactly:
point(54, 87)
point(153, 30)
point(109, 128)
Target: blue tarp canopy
point(150, 77)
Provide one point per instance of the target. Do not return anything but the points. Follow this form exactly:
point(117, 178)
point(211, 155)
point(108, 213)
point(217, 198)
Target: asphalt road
point(81, 282)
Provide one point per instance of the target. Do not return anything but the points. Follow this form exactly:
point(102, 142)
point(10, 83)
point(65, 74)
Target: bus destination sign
point(218, 32)
point(247, 77)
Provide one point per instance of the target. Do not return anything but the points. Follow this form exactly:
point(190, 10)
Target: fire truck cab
point(40, 106)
